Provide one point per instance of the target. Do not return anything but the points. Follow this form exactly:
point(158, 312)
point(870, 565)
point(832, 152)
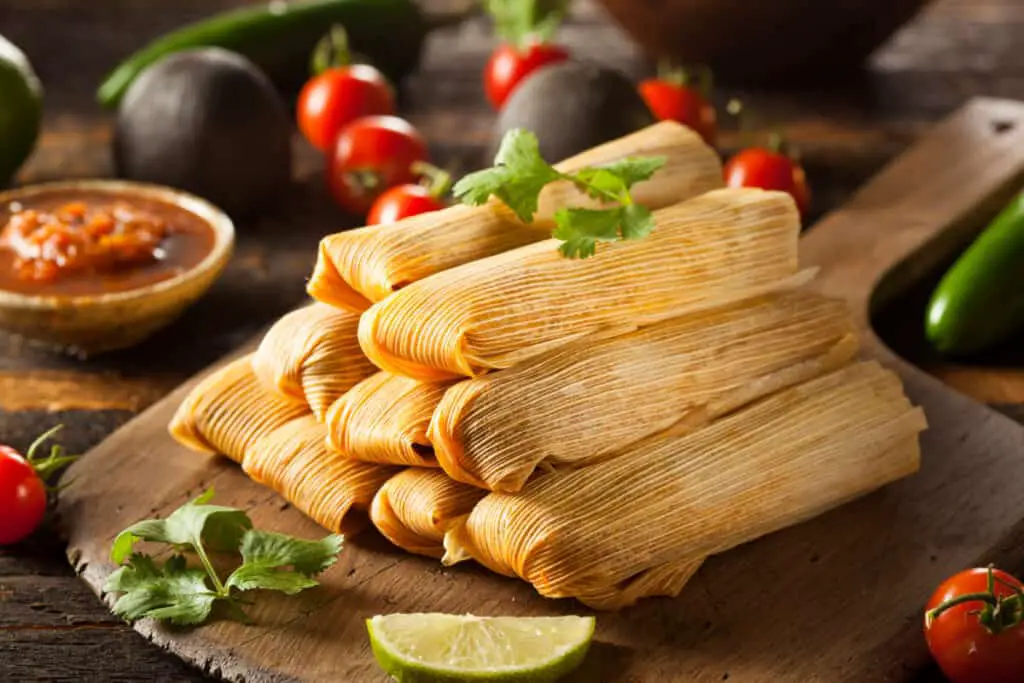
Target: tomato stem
point(525, 22)
point(30, 455)
point(56, 460)
point(332, 51)
point(697, 75)
point(998, 613)
point(438, 180)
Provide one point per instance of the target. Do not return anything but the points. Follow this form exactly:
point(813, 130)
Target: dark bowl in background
point(764, 41)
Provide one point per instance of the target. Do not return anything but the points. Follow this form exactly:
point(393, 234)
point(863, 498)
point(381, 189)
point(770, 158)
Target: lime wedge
point(444, 648)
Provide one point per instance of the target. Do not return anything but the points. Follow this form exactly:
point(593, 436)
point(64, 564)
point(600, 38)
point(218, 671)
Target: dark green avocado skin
point(571, 107)
point(209, 122)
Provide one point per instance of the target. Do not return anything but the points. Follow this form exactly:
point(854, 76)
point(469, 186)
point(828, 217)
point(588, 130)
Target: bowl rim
point(222, 225)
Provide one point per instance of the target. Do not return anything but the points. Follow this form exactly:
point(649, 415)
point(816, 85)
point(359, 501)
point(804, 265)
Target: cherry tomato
point(338, 96)
point(967, 651)
point(401, 202)
point(677, 102)
point(371, 155)
point(769, 170)
point(509, 65)
point(22, 497)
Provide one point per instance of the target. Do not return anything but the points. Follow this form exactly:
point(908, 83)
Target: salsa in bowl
point(98, 265)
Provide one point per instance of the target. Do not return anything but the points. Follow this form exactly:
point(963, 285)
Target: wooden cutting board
point(837, 598)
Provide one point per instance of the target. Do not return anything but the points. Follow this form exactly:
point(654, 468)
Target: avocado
point(209, 122)
point(21, 109)
point(573, 106)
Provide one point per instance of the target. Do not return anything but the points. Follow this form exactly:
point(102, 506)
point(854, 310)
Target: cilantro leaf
point(518, 176)
point(175, 593)
point(263, 577)
point(281, 550)
point(582, 229)
point(602, 183)
point(195, 523)
point(139, 570)
point(636, 222)
point(633, 170)
point(265, 554)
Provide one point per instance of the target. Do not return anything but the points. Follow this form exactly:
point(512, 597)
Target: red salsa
point(65, 244)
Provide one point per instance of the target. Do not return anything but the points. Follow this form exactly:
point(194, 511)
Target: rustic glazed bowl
point(762, 41)
point(91, 324)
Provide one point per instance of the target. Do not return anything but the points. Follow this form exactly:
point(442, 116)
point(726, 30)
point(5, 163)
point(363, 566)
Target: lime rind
point(445, 648)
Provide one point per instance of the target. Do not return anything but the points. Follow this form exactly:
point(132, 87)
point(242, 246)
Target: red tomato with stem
point(509, 65)
point(22, 497)
point(403, 201)
point(372, 154)
point(973, 627)
point(683, 95)
point(338, 96)
point(769, 169)
point(672, 102)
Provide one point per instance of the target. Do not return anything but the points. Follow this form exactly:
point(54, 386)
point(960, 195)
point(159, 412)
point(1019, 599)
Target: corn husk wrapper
point(230, 410)
point(723, 247)
point(586, 400)
point(312, 354)
point(384, 419)
point(592, 533)
point(294, 461)
point(416, 507)
point(359, 267)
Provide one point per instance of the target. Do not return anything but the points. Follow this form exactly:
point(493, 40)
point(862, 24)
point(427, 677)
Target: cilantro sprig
point(521, 21)
point(184, 595)
point(520, 173)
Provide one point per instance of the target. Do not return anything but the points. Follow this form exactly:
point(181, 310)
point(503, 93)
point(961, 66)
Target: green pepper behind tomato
point(980, 301)
point(279, 38)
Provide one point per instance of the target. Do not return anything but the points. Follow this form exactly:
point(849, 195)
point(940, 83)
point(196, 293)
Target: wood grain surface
point(846, 129)
point(872, 562)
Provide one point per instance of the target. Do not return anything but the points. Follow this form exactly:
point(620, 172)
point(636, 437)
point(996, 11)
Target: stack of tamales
point(597, 427)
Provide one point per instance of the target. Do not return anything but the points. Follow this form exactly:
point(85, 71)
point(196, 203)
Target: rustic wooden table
point(51, 626)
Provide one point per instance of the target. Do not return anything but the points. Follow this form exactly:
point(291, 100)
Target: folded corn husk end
point(229, 410)
point(415, 508)
point(293, 461)
point(312, 355)
point(384, 419)
point(395, 363)
point(327, 285)
point(443, 430)
point(384, 518)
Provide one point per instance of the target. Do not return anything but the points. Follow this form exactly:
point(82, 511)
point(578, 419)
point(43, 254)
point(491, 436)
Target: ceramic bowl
point(760, 41)
point(91, 324)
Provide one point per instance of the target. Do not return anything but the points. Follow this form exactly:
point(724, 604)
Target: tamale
point(416, 507)
point(358, 267)
point(229, 410)
point(312, 355)
point(384, 419)
point(294, 461)
point(722, 247)
point(566, 407)
point(594, 532)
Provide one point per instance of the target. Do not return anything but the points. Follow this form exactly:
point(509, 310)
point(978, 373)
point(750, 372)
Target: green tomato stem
point(332, 51)
point(439, 181)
